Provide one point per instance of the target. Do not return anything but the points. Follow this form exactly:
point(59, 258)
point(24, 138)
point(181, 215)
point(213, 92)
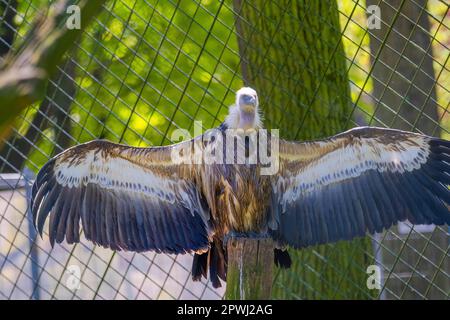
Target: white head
point(245, 114)
point(247, 99)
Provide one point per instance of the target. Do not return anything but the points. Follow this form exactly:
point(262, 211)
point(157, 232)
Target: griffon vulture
point(361, 181)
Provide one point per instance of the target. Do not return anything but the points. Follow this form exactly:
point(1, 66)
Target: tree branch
point(23, 76)
point(56, 104)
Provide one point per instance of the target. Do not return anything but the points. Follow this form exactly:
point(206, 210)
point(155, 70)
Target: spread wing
point(363, 180)
point(127, 198)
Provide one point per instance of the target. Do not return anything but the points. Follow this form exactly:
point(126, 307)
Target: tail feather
point(281, 258)
point(216, 258)
point(222, 261)
point(199, 266)
point(214, 261)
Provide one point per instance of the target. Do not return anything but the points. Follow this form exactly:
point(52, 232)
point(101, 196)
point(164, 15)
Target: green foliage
point(146, 68)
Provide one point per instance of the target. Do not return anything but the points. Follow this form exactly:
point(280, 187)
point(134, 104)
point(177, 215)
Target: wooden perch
point(24, 74)
point(250, 263)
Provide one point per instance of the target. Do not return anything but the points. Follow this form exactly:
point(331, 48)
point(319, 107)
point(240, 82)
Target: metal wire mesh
point(144, 68)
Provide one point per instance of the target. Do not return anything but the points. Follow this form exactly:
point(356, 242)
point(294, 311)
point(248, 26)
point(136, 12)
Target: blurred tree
point(402, 67)
point(291, 52)
point(24, 73)
point(405, 94)
point(53, 113)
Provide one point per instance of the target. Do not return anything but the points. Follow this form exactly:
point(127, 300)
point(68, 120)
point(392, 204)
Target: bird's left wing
point(363, 180)
point(134, 199)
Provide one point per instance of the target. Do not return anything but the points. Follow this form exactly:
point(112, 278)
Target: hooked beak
point(249, 100)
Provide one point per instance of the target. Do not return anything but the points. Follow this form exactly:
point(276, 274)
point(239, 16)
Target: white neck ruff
point(238, 119)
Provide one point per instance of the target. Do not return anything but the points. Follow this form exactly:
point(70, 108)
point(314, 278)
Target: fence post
point(250, 263)
point(34, 264)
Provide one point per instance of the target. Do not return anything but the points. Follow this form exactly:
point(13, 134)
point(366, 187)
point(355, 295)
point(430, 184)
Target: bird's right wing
point(134, 199)
point(362, 180)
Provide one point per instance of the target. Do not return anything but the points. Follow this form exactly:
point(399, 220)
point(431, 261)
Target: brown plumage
point(140, 199)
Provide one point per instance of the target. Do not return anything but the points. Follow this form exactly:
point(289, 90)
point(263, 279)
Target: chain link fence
point(145, 68)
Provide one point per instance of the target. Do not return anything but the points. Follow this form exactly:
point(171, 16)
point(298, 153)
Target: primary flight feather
point(139, 199)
